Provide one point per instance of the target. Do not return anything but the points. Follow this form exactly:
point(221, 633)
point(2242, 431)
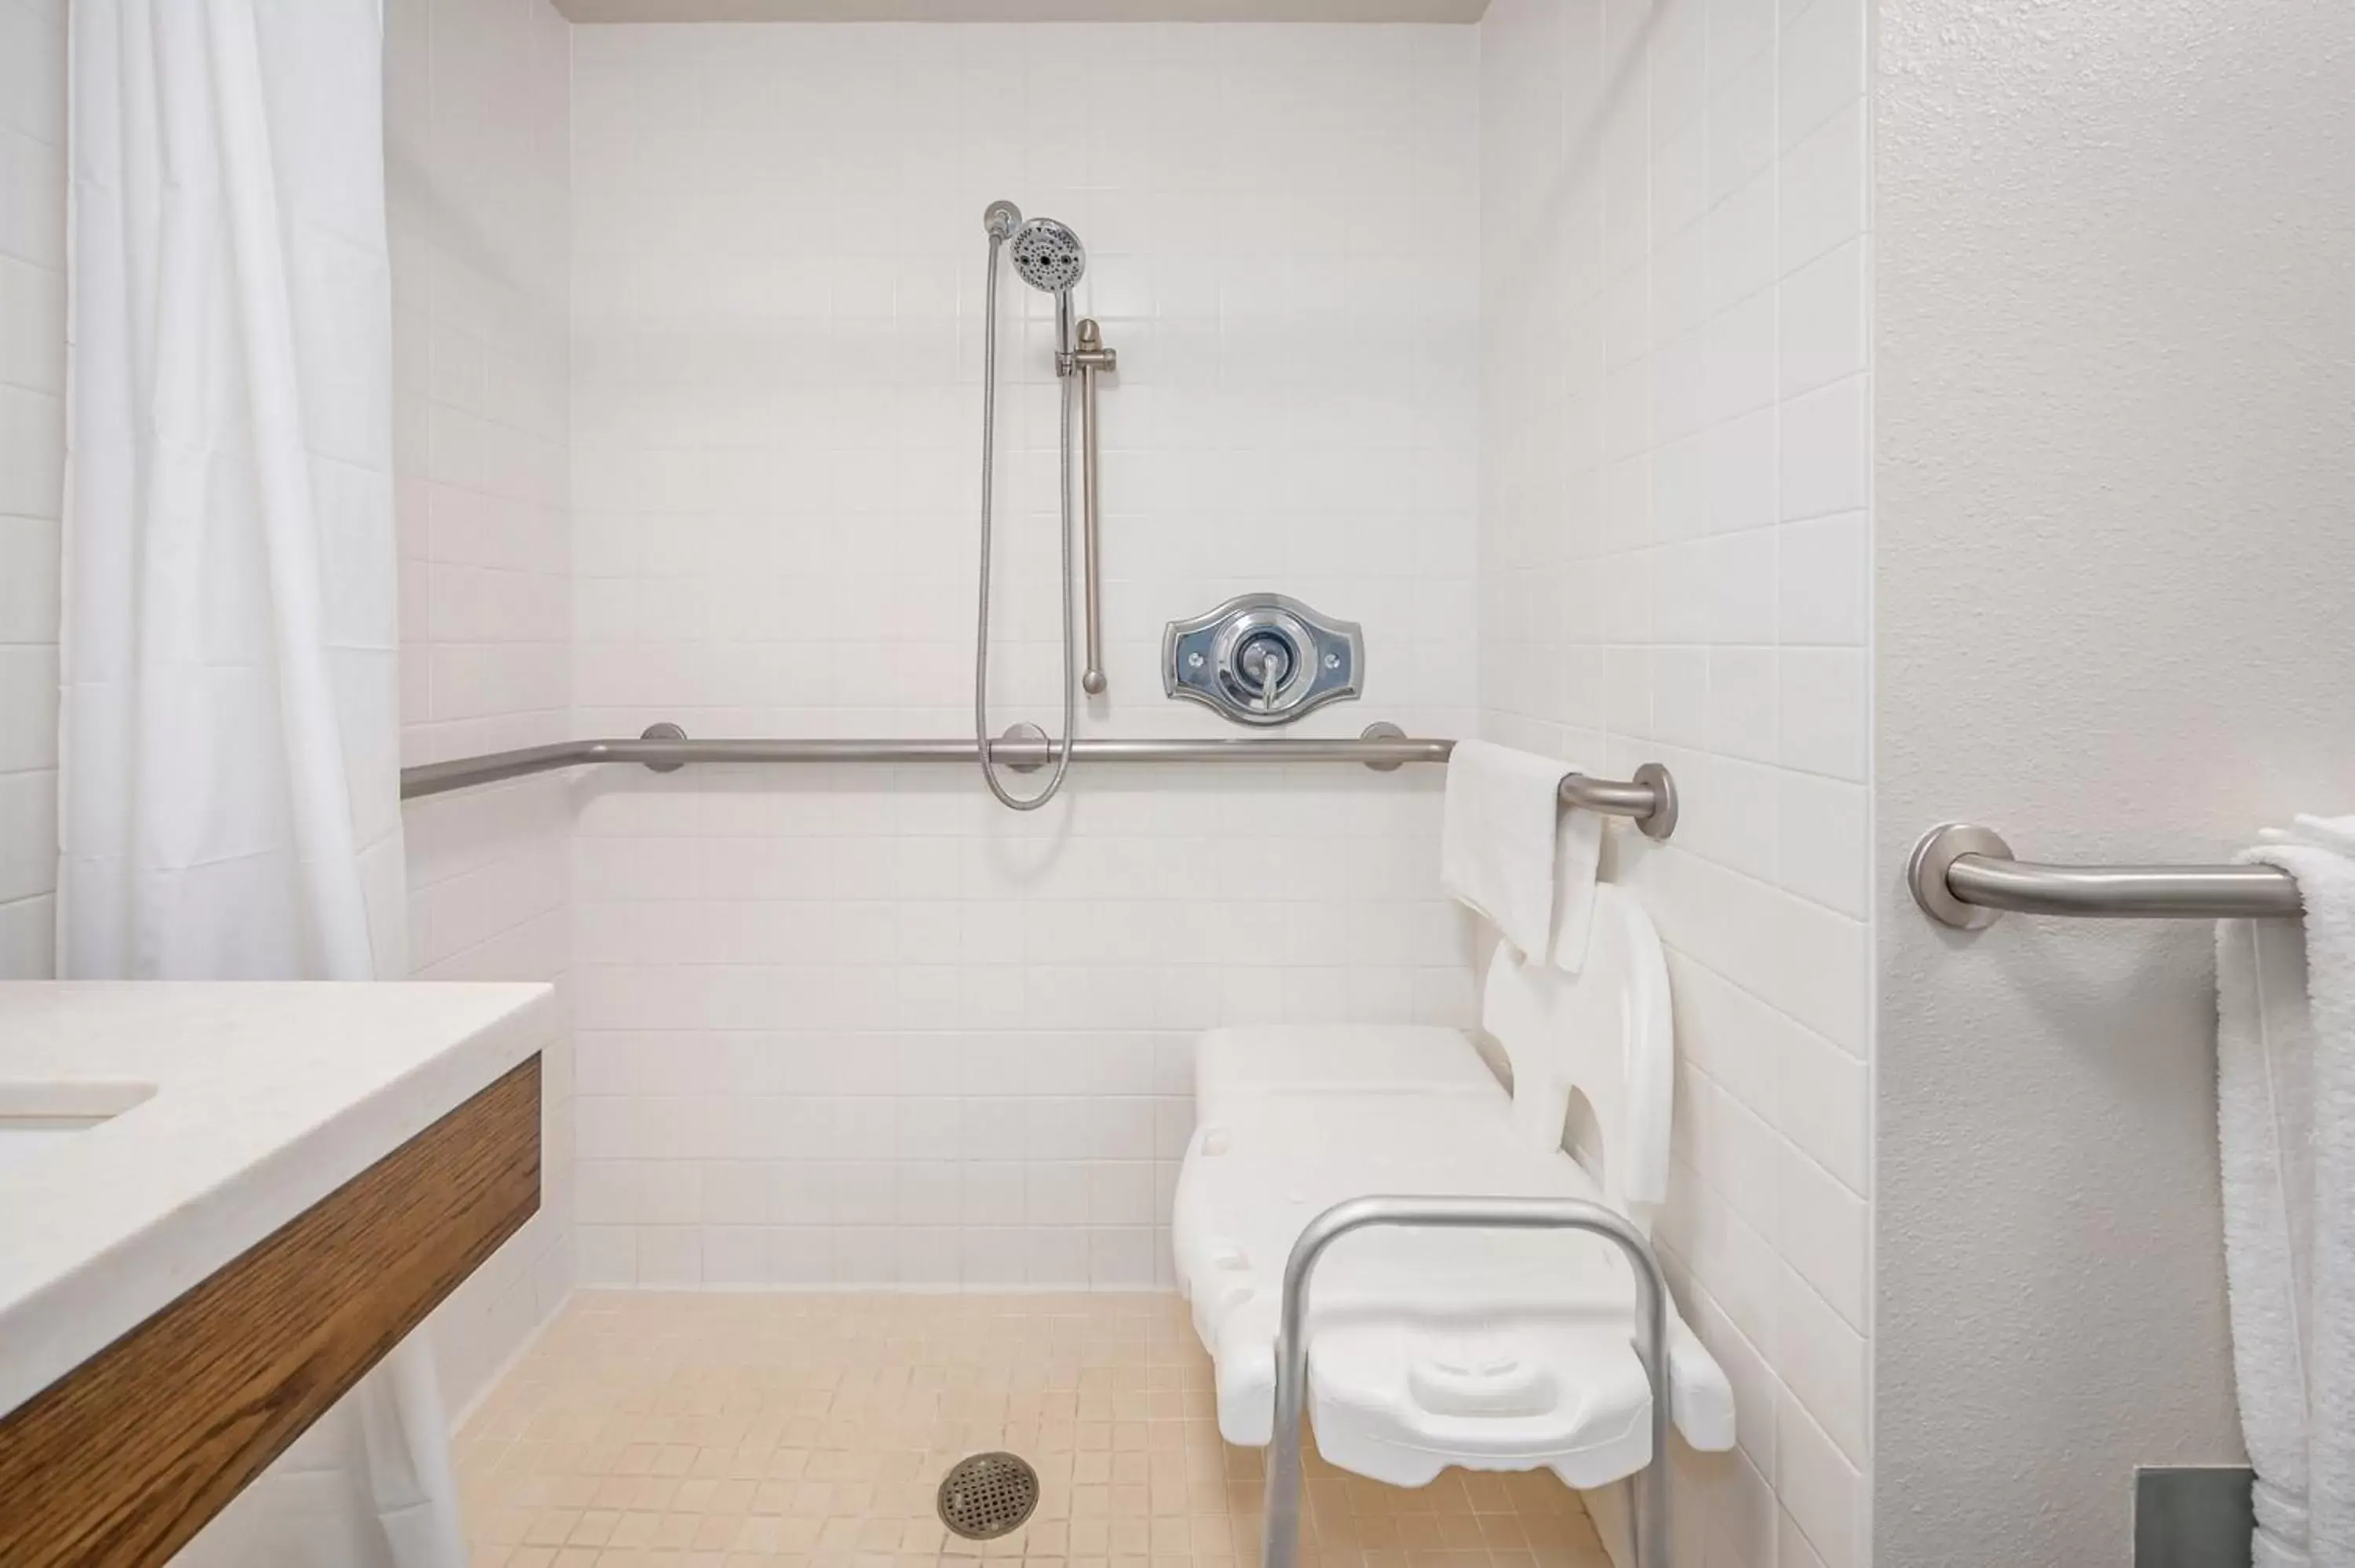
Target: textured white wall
point(853, 1025)
point(2115, 482)
point(1673, 540)
point(32, 472)
point(477, 129)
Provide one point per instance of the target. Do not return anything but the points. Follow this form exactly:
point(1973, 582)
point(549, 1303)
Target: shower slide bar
point(1280, 1542)
point(1963, 875)
point(1649, 799)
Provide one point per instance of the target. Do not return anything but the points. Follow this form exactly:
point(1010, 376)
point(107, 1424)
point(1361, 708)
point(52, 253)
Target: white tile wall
point(32, 472)
point(1673, 539)
point(859, 1026)
point(476, 126)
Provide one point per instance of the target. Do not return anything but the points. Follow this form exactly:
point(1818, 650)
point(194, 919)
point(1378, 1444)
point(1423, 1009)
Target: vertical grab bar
point(1280, 1538)
point(1091, 357)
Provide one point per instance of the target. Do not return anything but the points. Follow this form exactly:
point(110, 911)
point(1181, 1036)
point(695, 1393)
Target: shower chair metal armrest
point(1280, 1540)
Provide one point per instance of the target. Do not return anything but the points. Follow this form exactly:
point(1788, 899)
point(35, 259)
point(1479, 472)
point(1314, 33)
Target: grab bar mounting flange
point(1935, 855)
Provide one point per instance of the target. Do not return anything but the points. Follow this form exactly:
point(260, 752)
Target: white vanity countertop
point(266, 1098)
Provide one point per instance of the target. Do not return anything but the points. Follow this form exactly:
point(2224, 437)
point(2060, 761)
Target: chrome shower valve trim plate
point(1262, 659)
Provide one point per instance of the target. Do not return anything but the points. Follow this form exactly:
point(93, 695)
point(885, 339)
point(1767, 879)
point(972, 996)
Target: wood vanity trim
point(117, 1464)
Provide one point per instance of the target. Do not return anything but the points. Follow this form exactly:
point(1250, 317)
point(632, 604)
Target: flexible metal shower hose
point(981, 638)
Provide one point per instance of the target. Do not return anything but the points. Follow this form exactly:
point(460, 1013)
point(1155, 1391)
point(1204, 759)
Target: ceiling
point(1022, 10)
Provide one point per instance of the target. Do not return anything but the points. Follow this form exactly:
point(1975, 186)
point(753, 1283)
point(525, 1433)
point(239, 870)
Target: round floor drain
point(988, 1495)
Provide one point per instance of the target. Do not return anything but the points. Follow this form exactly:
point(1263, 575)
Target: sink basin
point(221, 1202)
point(37, 1114)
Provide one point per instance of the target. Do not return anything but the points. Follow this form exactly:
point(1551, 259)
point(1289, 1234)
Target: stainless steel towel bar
point(1649, 799)
point(1964, 877)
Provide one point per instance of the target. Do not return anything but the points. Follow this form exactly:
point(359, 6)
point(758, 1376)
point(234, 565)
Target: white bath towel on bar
point(1510, 852)
point(2285, 1112)
point(2324, 832)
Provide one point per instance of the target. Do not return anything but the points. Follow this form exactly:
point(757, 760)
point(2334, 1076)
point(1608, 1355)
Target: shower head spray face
point(1049, 256)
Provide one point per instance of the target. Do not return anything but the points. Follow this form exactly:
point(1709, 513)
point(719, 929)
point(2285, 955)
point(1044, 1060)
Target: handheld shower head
point(1049, 256)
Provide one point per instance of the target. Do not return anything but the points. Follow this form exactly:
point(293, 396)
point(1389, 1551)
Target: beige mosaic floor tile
point(759, 1431)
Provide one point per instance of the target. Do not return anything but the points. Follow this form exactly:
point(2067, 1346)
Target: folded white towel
point(2286, 1118)
point(1510, 852)
point(2325, 832)
point(2264, 1059)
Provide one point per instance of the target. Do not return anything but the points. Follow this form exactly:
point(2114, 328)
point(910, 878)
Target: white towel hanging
point(2285, 1114)
point(1510, 852)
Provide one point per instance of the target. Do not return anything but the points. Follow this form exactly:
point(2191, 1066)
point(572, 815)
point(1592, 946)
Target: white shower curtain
point(231, 743)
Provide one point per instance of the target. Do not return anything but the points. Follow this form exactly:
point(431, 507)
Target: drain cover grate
point(988, 1495)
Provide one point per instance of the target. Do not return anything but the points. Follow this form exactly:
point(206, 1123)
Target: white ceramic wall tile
point(1692, 587)
point(903, 1035)
point(1821, 851)
point(32, 470)
point(1823, 451)
point(476, 95)
point(1823, 592)
point(1820, 1488)
point(1822, 64)
point(1822, 331)
point(1822, 188)
point(1822, 707)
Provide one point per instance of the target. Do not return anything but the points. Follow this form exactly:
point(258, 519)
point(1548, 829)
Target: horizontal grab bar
point(1649, 799)
point(1963, 876)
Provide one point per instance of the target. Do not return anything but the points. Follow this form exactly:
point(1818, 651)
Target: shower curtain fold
point(230, 731)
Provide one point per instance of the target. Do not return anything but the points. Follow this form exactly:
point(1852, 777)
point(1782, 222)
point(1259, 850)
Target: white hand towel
point(2285, 1115)
point(2324, 832)
point(1510, 852)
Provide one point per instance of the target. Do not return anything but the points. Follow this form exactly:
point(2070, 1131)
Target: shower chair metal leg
point(1280, 1540)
